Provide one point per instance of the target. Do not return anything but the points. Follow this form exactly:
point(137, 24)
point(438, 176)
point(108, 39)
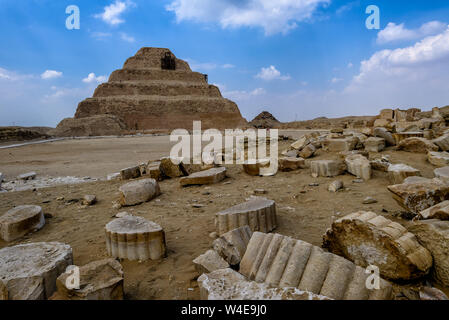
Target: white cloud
point(228, 66)
point(394, 32)
point(273, 16)
point(127, 38)
point(92, 78)
point(350, 65)
point(347, 7)
point(112, 13)
point(271, 73)
point(51, 74)
point(336, 80)
point(201, 66)
point(242, 95)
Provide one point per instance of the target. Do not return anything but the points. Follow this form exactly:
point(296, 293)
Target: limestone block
point(135, 238)
point(439, 211)
point(384, 123)
point(374, 144)
point(338, 145)
point(327, 168)
point(439, 159)
point(368, 239)
point(209, 262)
point(261, 167)
point(29, 271)
point(130, 173)
point(399, 137)
point(210, 176)
point(380, 164)
point(442, 173)
point(408, 126)
point(399, 172)
point(20, 221)
point(89, 200)
point(283, 262)
point(420, 195)
point(335, 186)
point(170, 169)
point(431, 294)
point(98, 280)
point(345, 154)
point(417, 145)
point(307, 152)
point(258, 213)
point(359, 166)
point(138, 192)
point(291, 164)
point(227, 284)
point(154, 170)
point(27, 176)
point(385, 134)
point(301, 143)
point(442, 142)
point(387, 114)
point(290, 153)
point(231, 246)
point(434, 235)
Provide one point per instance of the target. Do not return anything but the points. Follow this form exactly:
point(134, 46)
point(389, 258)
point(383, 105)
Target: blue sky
point(298, 59)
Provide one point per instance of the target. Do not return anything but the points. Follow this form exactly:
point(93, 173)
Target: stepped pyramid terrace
point(154, 90)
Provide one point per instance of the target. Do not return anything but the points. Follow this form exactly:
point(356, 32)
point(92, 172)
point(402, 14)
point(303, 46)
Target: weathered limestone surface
point(135, 238)
point(154, 170)
point(327, 168)
point(359, 166)
point(431, 294)
point(368, 239)
point(29, 271)
point(399, 172)
point(27, 176)
point(419, 195)
point(209, 262)
point(442, 142)
point(399, 137)
point(335, 186)
point(291, 164)
point(138, 192)
point(130, 173)
point(257, 213)
point(439, 159)
point(308, 151)
point(231, 246)
point(301, 143)
point(20, 221)
point(418, 145)
point(227, 284)
point(170, 169)
point(375, 144)
point(439, 211)
point(442, 173)
point(210, 176)
point(283, 262)
point(338, 145)
point(261, 167)
point(380, 164)
point(98, 280)
point(385, 134)
point(434, 235)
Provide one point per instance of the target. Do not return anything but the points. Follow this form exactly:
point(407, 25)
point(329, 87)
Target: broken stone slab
point(439, 211)
point(130, 173)
point(209, 262)
point(380, 165)
point(20, 221)
point(335, 186)
point(191, 168)
point(210, 176)
point(369, 200)
point(27, 176)
point(374, 144)
point(338, 145)
point(359, 166)
point(327, 168)
point(231, 246)
point(135, 238)
point(137, 192)
point(397, 173)
point(281, 262)
point(154, 171)
point(439, 159)
point(442, 142)
point(442, 173)
point(419, 195)
point(367, 239)
point(290, 153)
point(260, 167)
point(98, 280)
point(227, 284)
point(287, 164)
point(170, 169)
point(307, 152)
point(301, 143)
point(258, 213)
point(399, 137)
point(434, 235)
point(29, 271)
point(432, 294)
point(89, 200)
point(384, 123)
point(385, 134)
point(387, 114)
point(417, 145)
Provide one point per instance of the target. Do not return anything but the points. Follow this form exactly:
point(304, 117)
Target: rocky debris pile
point(135, 238)
point(29, 271)
point(98, 280)
point(149, 94)
point(20, 221)
point(367, 239)
point(24, 134)
point(265, 120)
point(258, 213)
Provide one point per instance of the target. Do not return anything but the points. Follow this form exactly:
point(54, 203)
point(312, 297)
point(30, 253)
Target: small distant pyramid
point(265, 120)
point(155, 90)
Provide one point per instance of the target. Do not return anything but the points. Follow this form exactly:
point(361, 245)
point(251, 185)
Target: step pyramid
point(155, 90)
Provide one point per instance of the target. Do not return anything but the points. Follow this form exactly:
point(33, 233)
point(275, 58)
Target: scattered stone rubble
point(20, 221)
point(399, 172)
